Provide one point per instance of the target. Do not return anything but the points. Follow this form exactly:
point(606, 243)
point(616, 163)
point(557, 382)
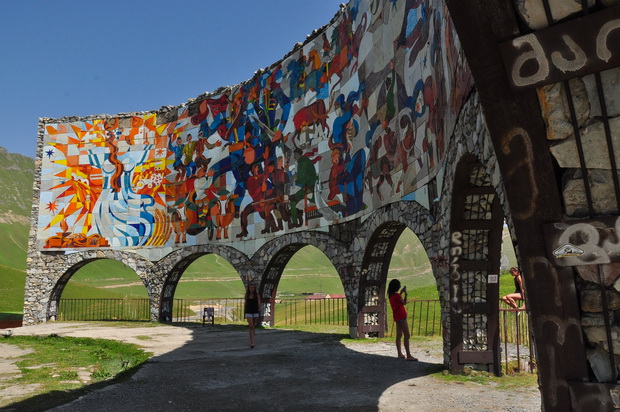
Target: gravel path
point(199, 368)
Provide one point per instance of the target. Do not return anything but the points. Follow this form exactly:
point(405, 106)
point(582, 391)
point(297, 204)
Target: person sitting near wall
point(519, 293)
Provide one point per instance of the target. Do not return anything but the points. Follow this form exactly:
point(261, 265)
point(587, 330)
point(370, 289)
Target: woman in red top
point(398, 301)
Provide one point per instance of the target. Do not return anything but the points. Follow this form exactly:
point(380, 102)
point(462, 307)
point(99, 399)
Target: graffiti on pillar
point(583, 242)
point(357, 117)
point(456, 251)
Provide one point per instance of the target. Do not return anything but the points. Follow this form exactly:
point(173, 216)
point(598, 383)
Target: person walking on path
point(519, 293)
point(398, 301)
point(252, 309)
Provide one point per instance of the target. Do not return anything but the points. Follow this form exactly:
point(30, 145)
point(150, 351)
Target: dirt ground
point(197, 368)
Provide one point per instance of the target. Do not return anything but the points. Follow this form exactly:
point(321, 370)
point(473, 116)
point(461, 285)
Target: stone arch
point(273, 257)
point(167, 272)
point(381, 232)
point(75, 261)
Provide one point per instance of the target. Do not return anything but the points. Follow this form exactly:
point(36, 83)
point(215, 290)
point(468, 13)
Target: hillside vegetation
point(309, 270)
point(16, 177)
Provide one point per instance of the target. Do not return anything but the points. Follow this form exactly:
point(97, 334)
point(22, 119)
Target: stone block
point(601, 186)
point(596, 319)
point(610, 80)
point(595, 334)
point(555, 109)
point(594, 143)
point(611, 272)
point(532, 12)
point(599, 361)
point(591, 300)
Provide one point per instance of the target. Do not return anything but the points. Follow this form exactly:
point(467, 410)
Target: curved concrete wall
point(357, 117)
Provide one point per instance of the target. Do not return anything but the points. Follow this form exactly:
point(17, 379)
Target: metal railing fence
point(225, 310)
point(128, 309)
point(288, 312)
point(325, 311)
point(517, 347)
point(516, 341)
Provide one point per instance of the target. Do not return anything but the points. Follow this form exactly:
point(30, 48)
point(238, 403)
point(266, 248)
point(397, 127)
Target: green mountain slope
point(16, 177)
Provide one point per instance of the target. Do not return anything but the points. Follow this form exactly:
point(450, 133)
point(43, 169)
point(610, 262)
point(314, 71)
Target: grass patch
point(56, 363)
point(413, 341)
point(327, 329)
point(505, 382)
point(125, 324)
point(143, 337)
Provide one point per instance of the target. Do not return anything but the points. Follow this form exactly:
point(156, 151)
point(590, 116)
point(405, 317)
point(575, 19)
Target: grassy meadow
point(13, 245)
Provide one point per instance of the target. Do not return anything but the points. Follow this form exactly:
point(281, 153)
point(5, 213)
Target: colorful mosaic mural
point(356, 118)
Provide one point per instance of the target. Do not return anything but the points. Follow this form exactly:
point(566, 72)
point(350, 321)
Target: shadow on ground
point(213, 368)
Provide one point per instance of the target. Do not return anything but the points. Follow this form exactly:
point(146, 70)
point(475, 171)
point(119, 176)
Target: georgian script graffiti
point(571, 49)
point(592, 241)
point(517, 142)
point(456, 251)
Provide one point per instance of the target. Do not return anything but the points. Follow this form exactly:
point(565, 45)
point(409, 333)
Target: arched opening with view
point(514, 325)
point(411, 266)
point(167, 273)
point(100, 289)
point(373, 319)
point(203, 270)
point(210, 283)
point(324, 250)
point(310, 293)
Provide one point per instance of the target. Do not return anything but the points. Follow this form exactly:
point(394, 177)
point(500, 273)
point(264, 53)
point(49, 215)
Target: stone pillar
point(349, 274)
point(42, 277)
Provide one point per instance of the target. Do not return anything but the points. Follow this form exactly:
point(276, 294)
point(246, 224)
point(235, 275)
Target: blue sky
point(86, 57)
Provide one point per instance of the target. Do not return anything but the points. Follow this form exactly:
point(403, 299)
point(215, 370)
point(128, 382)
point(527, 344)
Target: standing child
point(398, 301)
point(252, 309)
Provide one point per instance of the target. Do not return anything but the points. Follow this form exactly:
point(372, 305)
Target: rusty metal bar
point(505, 339)
point(548, 11)
point(420, 319)
point(610, 144)
point(610, 342)
point(434, 318)
point(580, 153)
point(518, 341)
point(427, 307)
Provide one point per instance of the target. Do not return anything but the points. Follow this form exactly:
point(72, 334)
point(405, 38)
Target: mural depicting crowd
point(357, 117)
